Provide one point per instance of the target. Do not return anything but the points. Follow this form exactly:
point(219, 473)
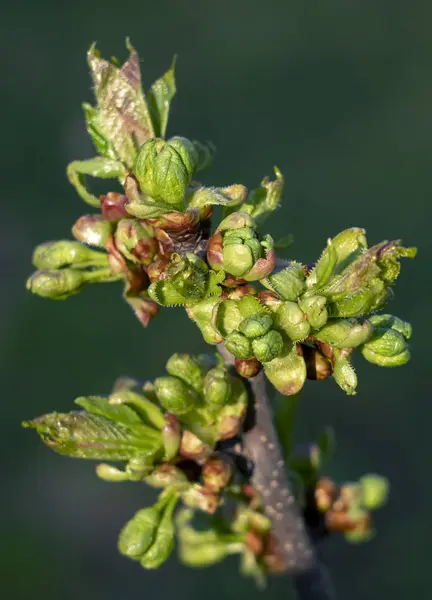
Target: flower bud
point(268, 346)
point(386, 348)
point(287, 372)
point(344, 333)
point(175, 396)
point(201, 313)
point(227, 317)
point(139, 533)
point(164, 169)
point(317, 365)
point(208, 553)
point(325, 494)
point(288, 282)
point(247, 368)
point(217, 388)
point(217, 473)
point(348, 244)
point(239, 345)
point(391, 322)
point(166, 475)
point(188, 369)
point(197, 496)
point(171, 436)
point(65, 253)
point(256, 325)
point(292, 321)
point(193, 448)
point(345, 377)
point(163, 542)
point(236, 249)
point(315, 310)
point(93, 230)
point(374, 490)
point(135, 241)
point(113, 206)
point(56, 284)
point(109, 473)
point(231, 416)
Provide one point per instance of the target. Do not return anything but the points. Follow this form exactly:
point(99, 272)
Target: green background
point(338, 95)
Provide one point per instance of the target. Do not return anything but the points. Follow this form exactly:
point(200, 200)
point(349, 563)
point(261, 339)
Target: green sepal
point(287, 372)
point(291, 320)
point(217, 387)
point(256, 325)
point(239, 345)
point(268, 346)
point(175, 396)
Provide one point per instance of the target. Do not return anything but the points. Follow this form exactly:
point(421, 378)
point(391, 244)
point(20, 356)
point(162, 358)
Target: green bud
point(227, 317)
point(171, 436)
point(256, 325)
point(391, 322)
point(56, 284)
point(64, 253)
point(368, 300)
point(314, 307)
point(287, 372)
point(386, 348)
point(375, 490)
point(290, 319)
point(93, 230)
point(206, 554)
point(288, 282)
point(201, 313)
point(163, 542)
point(217, 388)
point(85, 435)
point(345, 377)
point(188, 369)
point(139, 533)
point(345, 333)
point(164, 169)
point(239, 345)
point(175, 396)
point(237, 220)
point(268, 347)
point(231, 416)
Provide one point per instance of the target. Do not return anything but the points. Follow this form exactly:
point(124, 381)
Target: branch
point(261, 445)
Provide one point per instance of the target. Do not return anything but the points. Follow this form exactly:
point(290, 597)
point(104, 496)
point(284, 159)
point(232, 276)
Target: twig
point(261, 445)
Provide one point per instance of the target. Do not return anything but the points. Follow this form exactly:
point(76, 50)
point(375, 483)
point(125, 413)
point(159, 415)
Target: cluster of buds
point(168, 434)
point(347, 508)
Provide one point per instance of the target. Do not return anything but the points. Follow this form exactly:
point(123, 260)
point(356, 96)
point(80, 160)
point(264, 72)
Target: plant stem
point(269, 478)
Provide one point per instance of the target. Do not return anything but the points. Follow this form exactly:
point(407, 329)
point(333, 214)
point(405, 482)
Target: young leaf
point(159, 99)
point(97, 405)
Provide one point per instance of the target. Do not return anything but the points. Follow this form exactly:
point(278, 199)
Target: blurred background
point(337, 94)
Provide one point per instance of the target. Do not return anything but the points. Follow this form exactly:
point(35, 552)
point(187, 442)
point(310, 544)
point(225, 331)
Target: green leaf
point(323, 269)
point(103, 168)
point(123, 117)
point(159, 99)
point(265, 199)
point(97, 405)
point(206, 196)
point(84, 435)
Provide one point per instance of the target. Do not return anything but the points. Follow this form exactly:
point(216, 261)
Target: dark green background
point(338, 95)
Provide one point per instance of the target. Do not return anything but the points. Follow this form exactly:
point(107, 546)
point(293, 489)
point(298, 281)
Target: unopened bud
point(345, 376)
point(386, 348)
point(287, 372)
point(135, 241)
point(344, 333)
point(56, 284)
point(315, 310)
point(171, 436)
point(256, 325)
point(248, 368)
point(197, 496)
point(391, 322)
point(188, 369)
point(65, 253)
point(93, 230)
point(166, 475)
point(193, 448)
point(174, 395)
point(292, 321)
point(268, 346)
point(325, 494)
point(113, 206)
point(217, 473)
point(239, 345)
point(217, 387)
point(138, 534)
